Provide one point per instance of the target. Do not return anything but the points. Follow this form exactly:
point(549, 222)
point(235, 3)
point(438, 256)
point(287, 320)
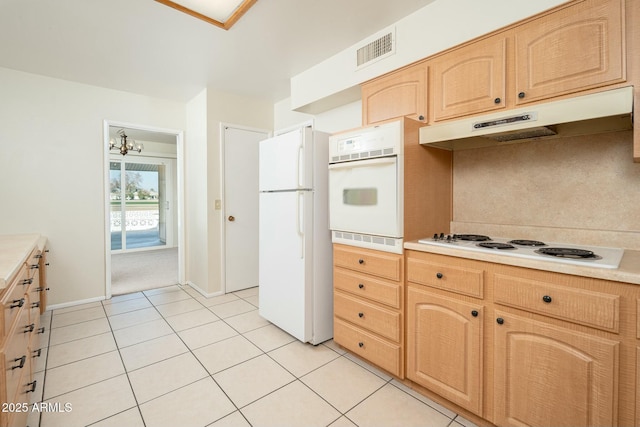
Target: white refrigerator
point(295, 254)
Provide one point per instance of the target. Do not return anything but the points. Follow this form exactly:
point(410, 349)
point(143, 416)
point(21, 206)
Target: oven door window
point(360, 196)
point(364, 197)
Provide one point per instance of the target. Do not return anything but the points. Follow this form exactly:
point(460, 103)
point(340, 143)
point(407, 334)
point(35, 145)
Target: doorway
point(240, 151)
point(144, 209)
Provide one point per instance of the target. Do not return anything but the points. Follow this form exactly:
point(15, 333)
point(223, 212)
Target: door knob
point(232, 218)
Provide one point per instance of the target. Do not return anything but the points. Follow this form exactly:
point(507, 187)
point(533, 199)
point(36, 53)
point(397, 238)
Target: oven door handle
point(362, 163)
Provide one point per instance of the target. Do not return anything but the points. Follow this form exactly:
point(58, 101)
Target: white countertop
point(14, 251)
point(627, 272)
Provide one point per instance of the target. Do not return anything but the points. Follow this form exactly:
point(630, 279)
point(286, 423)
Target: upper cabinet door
point(399, 94)
point(577, 48)
point(469, 80)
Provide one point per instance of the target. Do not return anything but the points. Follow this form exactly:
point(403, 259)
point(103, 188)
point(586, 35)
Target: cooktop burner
point(565, 253)
point(496, 245)
point(523, 242)
point(472, 237)
point(571, 253)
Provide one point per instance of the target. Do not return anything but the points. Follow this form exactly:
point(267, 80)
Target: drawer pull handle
point(360, 285)
point(500, 320)
point(546, 299)
point(22, 360)
point(360, 261)
point(35, 304)
point(29, 328)
point(40, 330)
point(361, 315)
point(34, 266)
point(17, 303)
point(474, 313)
point(439, 275)
point(360, 344)
point(27, 282)
point(33, 386)
point(37, 353)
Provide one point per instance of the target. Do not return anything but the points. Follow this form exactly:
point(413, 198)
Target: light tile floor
point(170, 357)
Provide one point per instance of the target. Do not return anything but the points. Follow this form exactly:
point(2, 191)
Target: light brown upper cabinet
point(470, 79)
point(402, 93)
point(577, 48)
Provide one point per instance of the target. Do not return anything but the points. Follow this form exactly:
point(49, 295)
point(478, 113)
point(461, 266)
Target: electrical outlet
point(218, 204)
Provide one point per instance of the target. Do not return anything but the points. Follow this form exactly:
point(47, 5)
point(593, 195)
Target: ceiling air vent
point(375, 50)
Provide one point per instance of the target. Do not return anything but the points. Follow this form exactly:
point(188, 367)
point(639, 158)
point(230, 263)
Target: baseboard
point(201, 292)
point(74, 303)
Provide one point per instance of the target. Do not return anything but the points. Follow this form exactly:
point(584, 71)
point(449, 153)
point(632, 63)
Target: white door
point(241, 207)
point(286, 282)
point(286, 161)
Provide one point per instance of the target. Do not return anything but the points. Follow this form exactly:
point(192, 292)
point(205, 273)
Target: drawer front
point(381, 264)
point(15, 355)
point(458, 279)
point(32, 264)
point(386, 355)
point(386, 323)
point(589, 308)
point(14, 299)
point(378, 290)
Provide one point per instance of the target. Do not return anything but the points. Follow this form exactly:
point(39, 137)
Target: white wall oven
point(365, 187)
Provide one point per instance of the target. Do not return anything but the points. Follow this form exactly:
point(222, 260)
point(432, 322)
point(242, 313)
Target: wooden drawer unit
point(594, 309)
point(15, 356)
point(368, 305)
point(378, 290)
point(376, 263)
point(439, 272)
point(382, 321)
point(378, 351)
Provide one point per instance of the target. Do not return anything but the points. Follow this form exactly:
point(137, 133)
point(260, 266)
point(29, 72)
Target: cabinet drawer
point(386, 323)
point(382, 353)
point(15, 357)
point(378, 290)
point(462, 280)
point(589, 308)
point(13, 299)
point(381, 264)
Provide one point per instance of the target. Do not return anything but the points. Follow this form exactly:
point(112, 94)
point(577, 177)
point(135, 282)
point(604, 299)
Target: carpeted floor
point(139, 271)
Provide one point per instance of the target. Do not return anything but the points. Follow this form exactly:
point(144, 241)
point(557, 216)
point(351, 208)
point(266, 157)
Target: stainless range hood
point(600, 112)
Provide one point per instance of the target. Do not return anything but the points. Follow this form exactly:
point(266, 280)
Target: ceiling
point(145, 47)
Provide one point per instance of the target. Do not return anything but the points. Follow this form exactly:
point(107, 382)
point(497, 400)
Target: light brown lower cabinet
point(546, 375)
point(444, 346)
point(531, 348)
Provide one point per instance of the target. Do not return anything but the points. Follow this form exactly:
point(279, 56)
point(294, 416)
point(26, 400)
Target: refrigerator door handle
point(300, 222)
point(300, 160)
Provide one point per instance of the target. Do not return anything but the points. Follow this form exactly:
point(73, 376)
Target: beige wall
point(586, 189)
point(52, 170)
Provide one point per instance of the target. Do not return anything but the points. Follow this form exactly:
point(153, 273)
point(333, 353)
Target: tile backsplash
point(583, 189)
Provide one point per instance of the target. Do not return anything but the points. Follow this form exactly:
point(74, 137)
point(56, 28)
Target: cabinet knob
point(474, 313)
point(439, 275)
point(546, 299)
point(497, 100)
point(361, 285)
point(231, 218)
point(500, 320)
point(360, 344)
point(361, 315)
point(421, 117)
point(360, 261)
point(521, 95)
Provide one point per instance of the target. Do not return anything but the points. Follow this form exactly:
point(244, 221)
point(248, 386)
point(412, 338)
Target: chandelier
point(126, 145)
